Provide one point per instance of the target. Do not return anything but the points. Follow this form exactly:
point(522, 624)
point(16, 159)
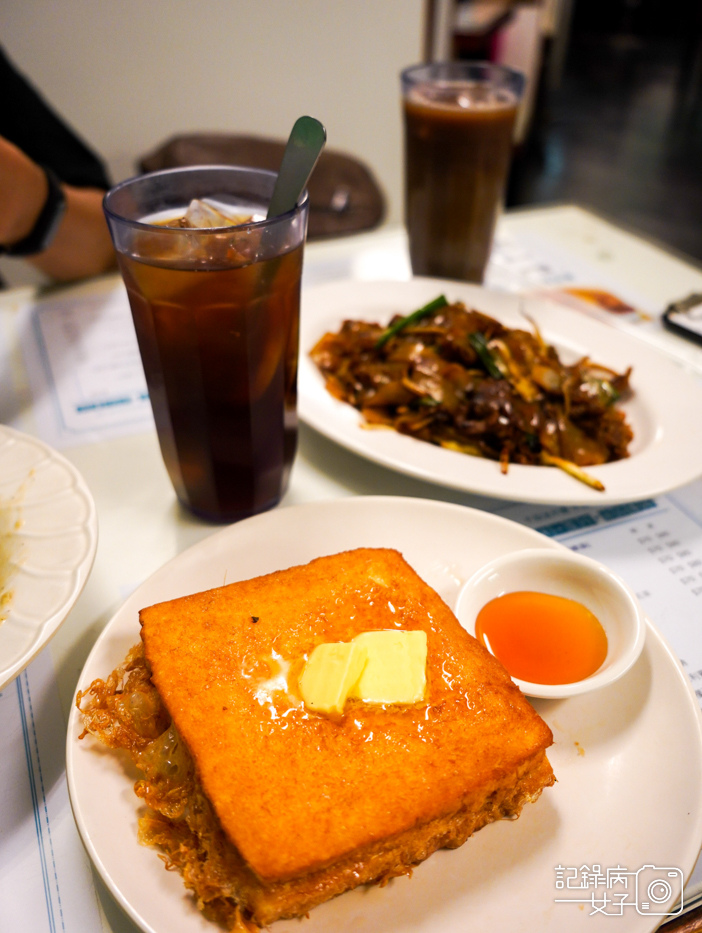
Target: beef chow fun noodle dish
point(454, 377)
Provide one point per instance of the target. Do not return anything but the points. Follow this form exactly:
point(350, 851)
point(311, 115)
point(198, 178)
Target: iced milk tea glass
point(216, 313)
point(459, 123)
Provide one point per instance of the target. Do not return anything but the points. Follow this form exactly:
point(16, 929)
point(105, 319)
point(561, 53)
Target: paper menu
point(45, 877)
point(84, 368)
point(527, 264)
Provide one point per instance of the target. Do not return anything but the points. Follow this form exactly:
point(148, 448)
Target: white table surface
point(141, 525)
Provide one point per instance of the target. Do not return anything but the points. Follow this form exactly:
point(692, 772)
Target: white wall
point(129, 73)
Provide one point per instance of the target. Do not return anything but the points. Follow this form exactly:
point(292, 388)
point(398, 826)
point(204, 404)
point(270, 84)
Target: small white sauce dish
point(563, 573)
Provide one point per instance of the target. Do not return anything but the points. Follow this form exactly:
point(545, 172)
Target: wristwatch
point(44, 230)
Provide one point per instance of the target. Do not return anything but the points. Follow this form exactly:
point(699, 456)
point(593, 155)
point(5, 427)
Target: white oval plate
point(666, 451)
point(628, 758)
point(51, 546)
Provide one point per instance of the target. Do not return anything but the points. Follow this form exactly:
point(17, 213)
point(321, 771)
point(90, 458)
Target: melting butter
point(387, 666)
point(396, 668)
point(332, 669)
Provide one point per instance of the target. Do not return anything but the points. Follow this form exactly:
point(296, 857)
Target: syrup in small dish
point(563, 659)
point(541, 638)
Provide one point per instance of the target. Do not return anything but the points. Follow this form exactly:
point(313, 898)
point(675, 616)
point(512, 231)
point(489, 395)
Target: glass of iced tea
point(214, 290)
point(459, 124)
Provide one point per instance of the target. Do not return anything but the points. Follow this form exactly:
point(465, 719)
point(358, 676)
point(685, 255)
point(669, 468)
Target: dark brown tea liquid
point(458, 144)
point(219, 348)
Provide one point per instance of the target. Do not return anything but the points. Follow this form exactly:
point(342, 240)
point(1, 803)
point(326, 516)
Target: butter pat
point(395, 671)
point(330, 672)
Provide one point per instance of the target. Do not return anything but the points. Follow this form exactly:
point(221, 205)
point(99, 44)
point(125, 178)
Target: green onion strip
point(412, 318)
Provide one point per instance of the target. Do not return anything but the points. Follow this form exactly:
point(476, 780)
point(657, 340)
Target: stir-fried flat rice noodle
point(459, 379)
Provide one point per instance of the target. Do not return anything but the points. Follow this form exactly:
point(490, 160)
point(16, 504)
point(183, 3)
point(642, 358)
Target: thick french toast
point(271, 809)
point(291, 789)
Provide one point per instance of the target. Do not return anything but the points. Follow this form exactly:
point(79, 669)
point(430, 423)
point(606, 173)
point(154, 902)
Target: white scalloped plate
point(48, 533)
point(666, 451)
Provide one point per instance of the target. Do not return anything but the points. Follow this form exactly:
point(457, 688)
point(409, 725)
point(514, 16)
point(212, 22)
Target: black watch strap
point(47, 223)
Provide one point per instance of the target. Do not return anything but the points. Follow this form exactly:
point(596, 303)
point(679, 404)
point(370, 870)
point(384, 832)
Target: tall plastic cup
point(459, 123)
point(216, 313)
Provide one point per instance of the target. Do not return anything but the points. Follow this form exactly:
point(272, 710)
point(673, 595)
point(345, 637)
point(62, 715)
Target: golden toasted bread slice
point(313, 805)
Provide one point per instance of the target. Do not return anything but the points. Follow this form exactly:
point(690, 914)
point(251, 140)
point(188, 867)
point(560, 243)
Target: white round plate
point(628, 758)
point(49, 529)
point(665, 453)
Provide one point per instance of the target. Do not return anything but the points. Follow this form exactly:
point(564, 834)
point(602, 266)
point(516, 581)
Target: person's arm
point(81, 246)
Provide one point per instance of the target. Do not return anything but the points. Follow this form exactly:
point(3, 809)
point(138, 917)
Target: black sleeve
point(29, 122)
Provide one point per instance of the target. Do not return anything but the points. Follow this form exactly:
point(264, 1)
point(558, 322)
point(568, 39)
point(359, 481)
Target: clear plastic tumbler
point(459, 125)
point(216, 313)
